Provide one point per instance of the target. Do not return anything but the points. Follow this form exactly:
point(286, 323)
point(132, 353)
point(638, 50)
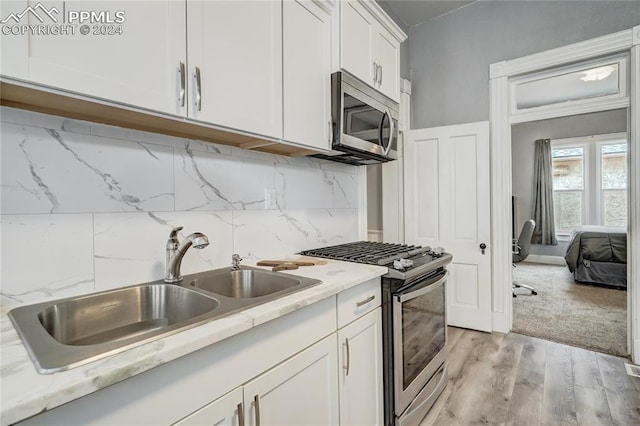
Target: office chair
point(520, 252)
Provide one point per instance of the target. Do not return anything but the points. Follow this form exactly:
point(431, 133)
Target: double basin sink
point(66, 333)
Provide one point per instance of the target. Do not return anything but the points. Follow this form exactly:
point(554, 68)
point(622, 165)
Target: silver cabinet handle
point(330, 132)
point(240, 414)
point(183, 83)
point(256, 406)
point(375, 73)
point(365, 301)
point(380, 75)
point(198, 89)
point(348, 360)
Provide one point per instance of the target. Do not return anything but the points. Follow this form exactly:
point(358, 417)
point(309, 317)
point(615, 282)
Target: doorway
point(589, 162)
point(502, 76)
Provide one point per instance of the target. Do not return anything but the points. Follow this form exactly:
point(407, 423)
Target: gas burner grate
point(367, 252)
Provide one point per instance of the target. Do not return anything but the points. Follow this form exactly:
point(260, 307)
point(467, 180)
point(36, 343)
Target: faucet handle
point(174, 232)
point(235, 262)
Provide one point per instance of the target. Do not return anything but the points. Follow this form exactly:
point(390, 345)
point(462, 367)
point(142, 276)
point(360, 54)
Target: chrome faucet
point(235, 262)
point(177, 250)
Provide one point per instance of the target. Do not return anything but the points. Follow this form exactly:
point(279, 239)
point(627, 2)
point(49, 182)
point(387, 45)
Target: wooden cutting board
point(290, 264)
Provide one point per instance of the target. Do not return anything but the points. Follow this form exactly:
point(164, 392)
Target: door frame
point(499, 74)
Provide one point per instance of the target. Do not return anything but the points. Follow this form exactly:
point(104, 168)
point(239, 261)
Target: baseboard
point(547, 260)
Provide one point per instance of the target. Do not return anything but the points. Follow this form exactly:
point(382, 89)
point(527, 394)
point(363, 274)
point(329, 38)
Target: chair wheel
point(534, 292)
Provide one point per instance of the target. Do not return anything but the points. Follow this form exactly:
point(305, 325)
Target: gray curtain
point(545, 230)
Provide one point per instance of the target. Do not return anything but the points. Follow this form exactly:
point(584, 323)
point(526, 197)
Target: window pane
point(588, 83)
point(615, 207)
point(614, 166)
point(568, 168)
point(567, 207)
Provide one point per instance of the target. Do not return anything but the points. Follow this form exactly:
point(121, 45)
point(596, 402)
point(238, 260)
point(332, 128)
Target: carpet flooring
point(582, 315)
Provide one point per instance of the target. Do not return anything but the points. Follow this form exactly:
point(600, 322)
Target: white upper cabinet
point(387, 58)
point(357, 41)
point(235, 64)
point(134, 62)
point(370, 45)
point(307, 70)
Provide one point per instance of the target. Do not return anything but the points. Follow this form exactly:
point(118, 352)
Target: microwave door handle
point(413, 294)
point(392, 129)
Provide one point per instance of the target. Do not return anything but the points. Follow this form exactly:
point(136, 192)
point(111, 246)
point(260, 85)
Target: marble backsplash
point(88, 207)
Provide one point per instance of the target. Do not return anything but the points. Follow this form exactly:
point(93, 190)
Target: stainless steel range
point(414, 323)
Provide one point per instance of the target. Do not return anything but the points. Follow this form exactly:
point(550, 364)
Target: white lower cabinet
point(301, 391)
point(224, 411)
point(360, 352)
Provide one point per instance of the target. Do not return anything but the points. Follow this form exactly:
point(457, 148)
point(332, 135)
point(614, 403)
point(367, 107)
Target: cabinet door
point(307, 69)
point(135, 62)
point(300, 391)
point(224, 411)
point(361, 392)
point(387, 55)
point(236, 47)
point(357, 32)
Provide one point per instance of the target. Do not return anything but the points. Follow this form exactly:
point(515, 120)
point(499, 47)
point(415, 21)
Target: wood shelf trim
point(81, 108)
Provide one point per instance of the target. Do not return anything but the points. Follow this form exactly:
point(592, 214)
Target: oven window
point(423, 332)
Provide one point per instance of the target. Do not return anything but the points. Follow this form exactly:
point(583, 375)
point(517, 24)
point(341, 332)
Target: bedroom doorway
point(589, 163)
point(622, 51)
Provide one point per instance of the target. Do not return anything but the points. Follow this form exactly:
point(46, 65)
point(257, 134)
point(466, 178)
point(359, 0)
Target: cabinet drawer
point(357, 301)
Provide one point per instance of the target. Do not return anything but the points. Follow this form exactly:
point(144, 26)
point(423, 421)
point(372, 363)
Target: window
point(589, 181)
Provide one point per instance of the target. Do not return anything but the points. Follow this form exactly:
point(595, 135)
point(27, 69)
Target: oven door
point(419, 337)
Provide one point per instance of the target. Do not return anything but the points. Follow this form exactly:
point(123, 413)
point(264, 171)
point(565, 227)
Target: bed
point(598, 255)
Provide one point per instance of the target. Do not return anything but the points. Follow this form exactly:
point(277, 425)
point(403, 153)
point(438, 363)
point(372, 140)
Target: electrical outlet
point(269, 198)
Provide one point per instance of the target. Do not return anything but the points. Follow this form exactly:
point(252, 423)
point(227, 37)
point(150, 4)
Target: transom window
point(589, 181)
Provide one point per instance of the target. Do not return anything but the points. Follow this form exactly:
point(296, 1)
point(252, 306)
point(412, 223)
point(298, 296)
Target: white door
point(301, 391)
point(447, 198)
point(224, 411)
point(235, 47)
point(360, 360)
point(135, 60)
point(307, 73)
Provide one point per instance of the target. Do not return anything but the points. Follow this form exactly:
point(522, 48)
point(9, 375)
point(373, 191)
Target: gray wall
point(522, 143)
point(449, 56)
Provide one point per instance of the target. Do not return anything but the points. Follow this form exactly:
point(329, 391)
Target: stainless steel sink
point(62, 334)
point(122, 314)
point(245, 283)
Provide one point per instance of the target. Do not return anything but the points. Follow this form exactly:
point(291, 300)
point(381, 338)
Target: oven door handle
point(426, 289)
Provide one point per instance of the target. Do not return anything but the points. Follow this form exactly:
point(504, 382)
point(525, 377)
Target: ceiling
point(414, 12)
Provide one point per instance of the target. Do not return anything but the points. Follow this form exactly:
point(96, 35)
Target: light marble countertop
point(25, 392)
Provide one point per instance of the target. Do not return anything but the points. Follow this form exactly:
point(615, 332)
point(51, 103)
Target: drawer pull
point(365, 301)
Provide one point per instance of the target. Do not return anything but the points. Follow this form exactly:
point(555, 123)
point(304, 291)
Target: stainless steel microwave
point(365, 123)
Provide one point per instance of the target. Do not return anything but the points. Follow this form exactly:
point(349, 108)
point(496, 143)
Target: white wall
point(88, 207)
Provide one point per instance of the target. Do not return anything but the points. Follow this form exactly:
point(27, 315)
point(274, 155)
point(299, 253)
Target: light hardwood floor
point(518, 380)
